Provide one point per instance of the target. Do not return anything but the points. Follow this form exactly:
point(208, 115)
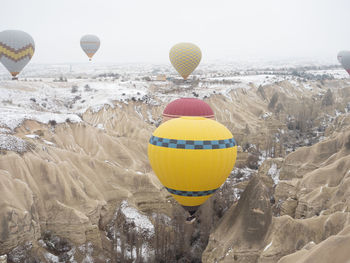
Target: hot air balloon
point(187, 107)
point(344, 59)
point(185, 57)
point(192, 157)
point(90, 44)
point(16, 50)
point(340, 54)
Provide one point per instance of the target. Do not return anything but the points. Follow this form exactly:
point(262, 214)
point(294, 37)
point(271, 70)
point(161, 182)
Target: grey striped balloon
point(16, 50)
point(90, 44)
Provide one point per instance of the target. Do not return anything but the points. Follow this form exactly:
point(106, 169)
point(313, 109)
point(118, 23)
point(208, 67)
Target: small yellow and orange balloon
point(192, 157)
point(185, 58)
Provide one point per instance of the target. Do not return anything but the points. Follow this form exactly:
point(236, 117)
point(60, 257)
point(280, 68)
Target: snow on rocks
point(147, 253)
point(266, 115)
point(241, 174)
point(162, 218)
point(100, 126)
point(132, 215)
point(138, 111)
point(51, 258)
point(88, 250)
point(271, 168)
point(32, 136)
point(48, 143)
point(20, 253)
point(274, 173)
point(12, 143)
point(48, 99)
point(5, 131)
point(267, 247)
point(129, 221)
point(61, 101)
point(12, 117)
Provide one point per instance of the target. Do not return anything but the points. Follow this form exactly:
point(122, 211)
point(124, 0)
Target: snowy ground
point(63, 92)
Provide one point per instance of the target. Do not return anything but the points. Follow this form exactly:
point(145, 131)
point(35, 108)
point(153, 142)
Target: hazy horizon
point(144, 31)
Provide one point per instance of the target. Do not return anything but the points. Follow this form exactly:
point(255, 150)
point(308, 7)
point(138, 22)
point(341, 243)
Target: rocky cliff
point(302, 218)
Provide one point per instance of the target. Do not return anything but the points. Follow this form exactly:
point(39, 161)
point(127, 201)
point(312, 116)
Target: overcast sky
point(145, 30)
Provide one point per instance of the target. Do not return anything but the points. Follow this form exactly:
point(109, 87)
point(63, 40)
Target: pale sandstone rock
point(316, 196)
point(335, 249)
point(3, 259)
point(72, 186)
point(243, 229)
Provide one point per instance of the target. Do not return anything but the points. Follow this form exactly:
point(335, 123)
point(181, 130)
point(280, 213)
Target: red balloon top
point(188, 107)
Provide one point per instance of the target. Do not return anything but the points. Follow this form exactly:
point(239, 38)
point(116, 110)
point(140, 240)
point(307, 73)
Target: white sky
point(145, 30)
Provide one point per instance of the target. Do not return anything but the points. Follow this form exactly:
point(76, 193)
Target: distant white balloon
point(16, 50)
point(344, 59)
point(340, 54)
point(90, 44)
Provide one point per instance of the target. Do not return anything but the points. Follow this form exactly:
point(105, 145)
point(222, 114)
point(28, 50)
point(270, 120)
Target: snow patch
point(48, 143)
point(274, 173)
point(5, 130)
point(32, 136)
point(12, 117)
point(162, 218)
point(138, 111)
point(11, 143)
point(51, 258)
point(147, 253)
point(265, 115)
point(100, 126)
point(142, 223)
point(88, 259)
point(308, 86)
point(267, 247)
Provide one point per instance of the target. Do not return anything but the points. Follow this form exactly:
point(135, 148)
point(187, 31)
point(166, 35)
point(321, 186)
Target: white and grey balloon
point(90, 44)
point(344, 59)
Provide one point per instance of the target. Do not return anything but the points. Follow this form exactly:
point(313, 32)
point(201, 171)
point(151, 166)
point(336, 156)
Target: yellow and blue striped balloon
point(185, 58)
point(192, 157)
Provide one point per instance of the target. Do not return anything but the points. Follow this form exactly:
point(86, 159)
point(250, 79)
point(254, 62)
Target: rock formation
point(82, 188)
point(310, 208)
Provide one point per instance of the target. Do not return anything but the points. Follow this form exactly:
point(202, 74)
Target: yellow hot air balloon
point(192, 157)
point(185, 57)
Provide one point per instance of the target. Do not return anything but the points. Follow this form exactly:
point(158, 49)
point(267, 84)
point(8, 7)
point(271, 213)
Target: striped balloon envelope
point(192, 157)
point(185, 58)
point(16, 50)
point(90, 44)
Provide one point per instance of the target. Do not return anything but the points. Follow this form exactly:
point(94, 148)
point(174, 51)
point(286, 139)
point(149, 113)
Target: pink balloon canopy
point(188, 107)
